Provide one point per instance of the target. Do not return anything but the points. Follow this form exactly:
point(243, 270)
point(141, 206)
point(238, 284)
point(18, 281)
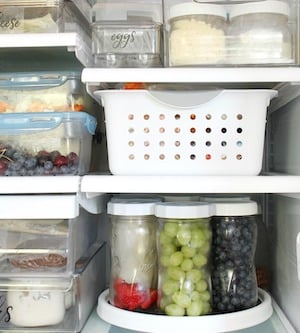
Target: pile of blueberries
point(18, 162)
point(234, 285)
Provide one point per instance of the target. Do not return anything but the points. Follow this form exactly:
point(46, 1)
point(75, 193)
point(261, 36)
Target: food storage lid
point(131, 207)
point(180, 197)
point(184, 210)
point(128, 11)
point(17, 123)
point(28, 3)
point(225, 198)
point(236, 208)
point(193, 8)
point(272, 7)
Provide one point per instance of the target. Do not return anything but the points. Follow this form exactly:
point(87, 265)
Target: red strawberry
point(151, 299)
point(60, 161)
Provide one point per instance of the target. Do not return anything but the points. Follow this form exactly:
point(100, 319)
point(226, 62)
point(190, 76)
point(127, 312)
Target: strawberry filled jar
point(133, 281)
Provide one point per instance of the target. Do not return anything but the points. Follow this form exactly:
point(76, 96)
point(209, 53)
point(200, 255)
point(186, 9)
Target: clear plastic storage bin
point(42, 92)
point(54, 304)
point(215, 132)
point(47, 143)
point(44, 236)
point(127, 34)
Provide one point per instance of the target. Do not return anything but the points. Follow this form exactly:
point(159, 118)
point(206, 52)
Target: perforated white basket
point(211, 132)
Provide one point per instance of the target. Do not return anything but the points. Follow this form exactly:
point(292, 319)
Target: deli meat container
point(42, 92)
point(46, 143)
point(44, 16)
point(43, 237)
point(54, 304)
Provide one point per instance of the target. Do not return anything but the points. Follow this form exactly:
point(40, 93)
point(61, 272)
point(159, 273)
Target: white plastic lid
point(225, 198)
point(236, 208)
point(184, 210)
point(193, 8)
point(131, 207)
point(180, 197)
point(272, 7)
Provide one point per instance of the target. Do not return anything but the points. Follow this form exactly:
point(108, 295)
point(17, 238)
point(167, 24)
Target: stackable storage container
point(46, 234)
point(54, 304)
point(47, 143)
point(204, 132)
point(127, 34)
point(40, 16)
point(42, 91)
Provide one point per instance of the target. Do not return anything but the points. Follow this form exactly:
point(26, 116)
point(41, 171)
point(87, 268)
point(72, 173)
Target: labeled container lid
point(262, 7)
point(132, 207)
point(193, 8)
point(236, 208)
point(184, 210)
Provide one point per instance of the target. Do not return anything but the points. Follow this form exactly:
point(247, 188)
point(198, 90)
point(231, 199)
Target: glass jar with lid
point(196, 34)
point(133, 276)
point(184, 242)
point(234, 235)
point(259, 33)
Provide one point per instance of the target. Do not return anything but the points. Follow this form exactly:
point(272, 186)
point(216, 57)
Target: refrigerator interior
point(276, 189)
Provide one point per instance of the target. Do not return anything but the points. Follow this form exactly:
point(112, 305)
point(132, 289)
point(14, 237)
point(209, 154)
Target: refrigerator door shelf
point(209, 324)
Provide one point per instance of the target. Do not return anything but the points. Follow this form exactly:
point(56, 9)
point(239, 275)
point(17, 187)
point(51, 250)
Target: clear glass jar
point(259, 33)
point(234, 236)
point(133, 277)
point(184, 242)
point(196, 34)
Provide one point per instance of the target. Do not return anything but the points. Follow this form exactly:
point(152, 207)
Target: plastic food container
point(47, 143)
point(54, 304)
point(196, 34)
point(133, 281)
point(127, 34)
point(42, 91)
point(260, 33)
point(203, 132)
point(43, 237)
point(234, 236)
point(43, 16)
point(184, 242)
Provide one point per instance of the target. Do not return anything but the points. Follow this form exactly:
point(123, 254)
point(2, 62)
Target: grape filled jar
point(134, 269)
point(184, 243)
point(234, 235)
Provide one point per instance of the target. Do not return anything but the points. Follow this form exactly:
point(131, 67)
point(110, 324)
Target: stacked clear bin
point(52, 261)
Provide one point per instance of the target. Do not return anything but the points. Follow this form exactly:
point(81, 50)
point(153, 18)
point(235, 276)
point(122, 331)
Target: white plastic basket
point(211, 132)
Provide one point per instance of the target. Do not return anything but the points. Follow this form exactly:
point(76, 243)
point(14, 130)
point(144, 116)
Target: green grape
point(206, 308)
point(197, 239)
point(181, 299)
point(165, 238)
point(164, 261)
point(167, 249)
point(188, 252)
point(195, 309)
point(187, 265)
point(199, 260)
point(205, 295)
point(207, 234)
point(193, 275)
point(174, 310)
point(205, 248)
point(176, 258)
point(169, 287)
point(195, 295)
point(164, 301)
point(176, 273)
point(187, 287)
point(171, 229)
point(184, 235)
point(201, 286)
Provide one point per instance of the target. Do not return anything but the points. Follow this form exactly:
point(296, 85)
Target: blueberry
point(48, 165)
point(30, 163)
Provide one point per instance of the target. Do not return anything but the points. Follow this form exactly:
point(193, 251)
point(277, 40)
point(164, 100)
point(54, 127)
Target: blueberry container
point(46, 143)
point(43, 237)
point(42, 92)
point(55, 304)
point(234, 236)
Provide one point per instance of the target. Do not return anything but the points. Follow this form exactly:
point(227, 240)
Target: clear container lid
point(184, 210)
point(236, 208)
point(150, 10)
point(131, 206)
point(271, 7)
point(225, 198)
point(193, 8)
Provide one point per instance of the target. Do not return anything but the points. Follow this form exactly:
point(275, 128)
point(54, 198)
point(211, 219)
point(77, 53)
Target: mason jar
point(196, 34)
point(234, 235)
point(134, 270)
point(184, 243)
point(260, 33)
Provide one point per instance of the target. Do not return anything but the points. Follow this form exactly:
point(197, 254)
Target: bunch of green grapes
point(184, 248)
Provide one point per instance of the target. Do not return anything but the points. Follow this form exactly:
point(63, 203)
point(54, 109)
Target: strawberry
point(60, 160)
point(151, 299)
